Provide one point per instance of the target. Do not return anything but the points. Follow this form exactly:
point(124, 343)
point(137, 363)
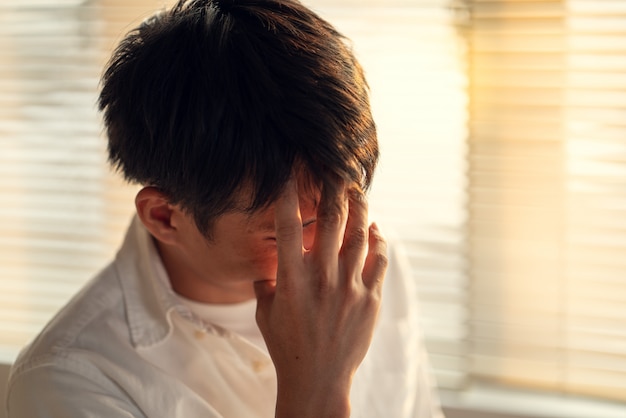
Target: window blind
point(596, 198)
point(547, 199)
point(63, 213)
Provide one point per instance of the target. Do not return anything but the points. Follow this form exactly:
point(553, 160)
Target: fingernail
point(374, 228)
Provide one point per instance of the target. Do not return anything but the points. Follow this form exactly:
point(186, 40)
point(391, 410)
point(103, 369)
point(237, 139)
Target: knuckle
point(357, 237)
point(358, 199)
point(323, 281)
point(372, 301)
point(332, 213)
point(288, 232)
point(352, 294)
point(381, 261)
point(330, 220)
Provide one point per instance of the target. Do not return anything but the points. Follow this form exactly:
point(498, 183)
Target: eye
point(308, 223)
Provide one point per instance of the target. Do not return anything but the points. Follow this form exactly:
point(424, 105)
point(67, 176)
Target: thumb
point(264, 291)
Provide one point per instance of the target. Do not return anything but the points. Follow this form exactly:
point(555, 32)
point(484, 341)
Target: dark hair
point(211, 95)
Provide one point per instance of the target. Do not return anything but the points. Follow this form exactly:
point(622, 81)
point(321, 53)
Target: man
point(248, 124)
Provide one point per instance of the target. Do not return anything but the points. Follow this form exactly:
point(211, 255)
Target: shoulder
point(394, 379)
point(54, 387)
point(65, 365)
point(399, 289)
point(97, 310)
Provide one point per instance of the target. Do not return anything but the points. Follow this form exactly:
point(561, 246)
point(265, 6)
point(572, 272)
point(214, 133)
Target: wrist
point(321, 401)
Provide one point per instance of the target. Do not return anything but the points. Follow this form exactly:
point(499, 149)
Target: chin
point(260, 271)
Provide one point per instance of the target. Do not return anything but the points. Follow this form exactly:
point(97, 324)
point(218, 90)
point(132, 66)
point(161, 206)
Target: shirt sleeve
point(50, 391)
point(402, 300)
point(394, 379)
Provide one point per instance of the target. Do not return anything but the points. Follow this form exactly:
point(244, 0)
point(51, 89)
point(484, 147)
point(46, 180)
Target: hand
point(318, 317)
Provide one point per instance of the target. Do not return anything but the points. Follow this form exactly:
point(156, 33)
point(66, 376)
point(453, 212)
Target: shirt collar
point(148, 295)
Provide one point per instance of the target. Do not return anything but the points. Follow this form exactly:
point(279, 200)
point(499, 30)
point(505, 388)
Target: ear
point(157, 214)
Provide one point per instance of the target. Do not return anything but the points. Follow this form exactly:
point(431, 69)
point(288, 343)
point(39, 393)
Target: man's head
point(214, 100)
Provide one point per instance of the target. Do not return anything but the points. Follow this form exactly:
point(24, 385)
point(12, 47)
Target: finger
point(288, 225)
point(376, 261)
point(264, 291)
point(355, 239)
point(331, 221)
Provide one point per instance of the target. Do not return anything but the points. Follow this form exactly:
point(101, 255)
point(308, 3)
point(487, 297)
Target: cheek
point(308, 237)
point(263, 254)
point(264, 263)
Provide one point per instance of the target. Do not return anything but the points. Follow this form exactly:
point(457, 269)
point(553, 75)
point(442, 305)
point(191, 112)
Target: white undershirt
point(235, 317)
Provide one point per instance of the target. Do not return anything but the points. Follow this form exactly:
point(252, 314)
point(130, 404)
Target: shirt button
point(259, 365)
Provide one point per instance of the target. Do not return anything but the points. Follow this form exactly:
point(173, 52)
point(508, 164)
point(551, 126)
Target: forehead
point(308, 205)
point(241, 218)
point(309, 193)
point(262, 220)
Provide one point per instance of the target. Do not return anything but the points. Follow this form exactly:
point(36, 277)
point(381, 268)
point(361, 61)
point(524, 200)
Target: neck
point(205, 287)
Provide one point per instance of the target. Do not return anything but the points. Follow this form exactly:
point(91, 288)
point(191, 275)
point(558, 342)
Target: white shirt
point(128, 346)
point(234, 317)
